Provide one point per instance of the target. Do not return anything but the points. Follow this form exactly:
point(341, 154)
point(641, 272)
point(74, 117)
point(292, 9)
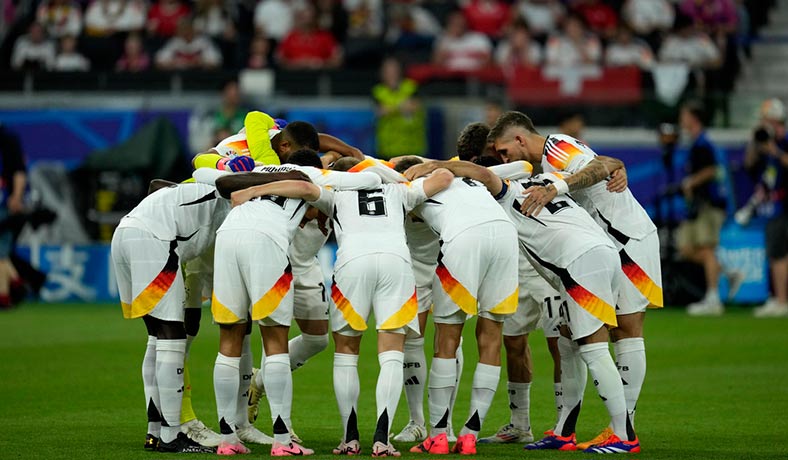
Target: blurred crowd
point(463, 35)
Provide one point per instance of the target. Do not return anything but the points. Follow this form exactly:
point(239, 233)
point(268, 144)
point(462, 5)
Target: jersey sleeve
point(257, 126)
point(382, 168)
point(562, 155)
point(324, 203)
point(208, 175)
point(514, 170)
point(341, 180)
point(414, 194)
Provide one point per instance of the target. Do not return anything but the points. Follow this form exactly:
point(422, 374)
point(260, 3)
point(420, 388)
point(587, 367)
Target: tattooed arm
point(595, 171)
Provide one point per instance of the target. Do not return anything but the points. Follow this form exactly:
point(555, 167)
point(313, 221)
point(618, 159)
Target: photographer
point(767, 163)
point(699, 235)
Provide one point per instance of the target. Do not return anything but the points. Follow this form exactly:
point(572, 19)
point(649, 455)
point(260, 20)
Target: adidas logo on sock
point(412, 381)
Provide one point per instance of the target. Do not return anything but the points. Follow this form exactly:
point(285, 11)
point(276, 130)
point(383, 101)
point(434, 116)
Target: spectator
point(492, 110)
point(259, 52)
point(33, 51)
point(647, 17)
point(365, 18)
point(713, 16)
point(69, 59)
point(691, 47)
point(188, 51)
point(767, 162)
point(490, 17)
point(164, 17)
point(601, 18)
point(699, 235)
point(331, 16)
point(542, 16)
point(401, 122)
point(307, 46)
point(60, 18)
point(229, 117)
point(626, 50)
point(574, 47)
point(106, 17)
point(14, 180)
point(459, 49)
point(134, 58)
point(215, 19)
point(572, 124)
point(518, 49)
point(411, 27)
point(274, 18)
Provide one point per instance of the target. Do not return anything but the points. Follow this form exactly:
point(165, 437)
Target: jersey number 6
point(370, 203)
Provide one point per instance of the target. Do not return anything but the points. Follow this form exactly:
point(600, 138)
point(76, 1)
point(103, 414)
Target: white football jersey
point(188, 213)
point(465, 204)
point(371, 221)
point(619, 214)
point(235, 145)
point(562, 232)
point(424, 245)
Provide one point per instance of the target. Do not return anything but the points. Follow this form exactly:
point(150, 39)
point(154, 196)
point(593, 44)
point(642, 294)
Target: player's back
point(562, 232)
point(371, 221)
point(621, 211)
point(189, 213)
point(464, 204)
point(275, 216)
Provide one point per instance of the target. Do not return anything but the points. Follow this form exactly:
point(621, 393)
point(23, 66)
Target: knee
point(515, 347)
point(170, 330)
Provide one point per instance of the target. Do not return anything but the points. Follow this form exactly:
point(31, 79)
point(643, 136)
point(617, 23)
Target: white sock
point(712, 295)
point(170, 356)
point(244, 380)
point(631, 364)
point(573, 384)
point(558, 392)
point(279, 391)
point(460, 362)
point(149, 386)
point(305, 346)
point(485, 382)
point(415, 376)
point(387, 392)
point(608, 384)
point(346, 389)
point(442, 380)
point(519, 404)
point(226, 372)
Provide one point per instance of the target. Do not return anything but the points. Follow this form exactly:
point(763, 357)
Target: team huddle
point(568, 250)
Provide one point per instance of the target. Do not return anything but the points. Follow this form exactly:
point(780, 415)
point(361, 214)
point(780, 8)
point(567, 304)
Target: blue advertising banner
point(742, 251)
point(70, 135)
point(75, 273)
point(83, 273)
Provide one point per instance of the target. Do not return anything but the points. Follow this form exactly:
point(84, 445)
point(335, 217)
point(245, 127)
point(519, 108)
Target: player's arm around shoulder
point(438, 181)
point(287, 188)
point(493, 183)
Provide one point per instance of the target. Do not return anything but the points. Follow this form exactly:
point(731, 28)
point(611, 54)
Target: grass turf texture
point(70, 387)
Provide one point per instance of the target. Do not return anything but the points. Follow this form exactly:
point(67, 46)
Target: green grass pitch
point(70, 388)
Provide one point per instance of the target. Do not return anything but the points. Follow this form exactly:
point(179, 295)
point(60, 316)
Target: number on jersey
point(553, 207)
point(276, 199)
point(371, 203)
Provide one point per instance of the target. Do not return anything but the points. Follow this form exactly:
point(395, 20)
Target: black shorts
point(777, 237)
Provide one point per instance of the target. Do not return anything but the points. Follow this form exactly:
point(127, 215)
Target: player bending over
point(253, 282)
point(172, 225)
point(565, 243)
point(594, 179)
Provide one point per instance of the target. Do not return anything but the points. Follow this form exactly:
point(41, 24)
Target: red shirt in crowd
point(599, 16)
point(318, 45)
point(164, 21)
point(489, 17)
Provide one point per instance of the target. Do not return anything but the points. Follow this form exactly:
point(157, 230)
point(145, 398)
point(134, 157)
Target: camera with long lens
point(762, 134)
